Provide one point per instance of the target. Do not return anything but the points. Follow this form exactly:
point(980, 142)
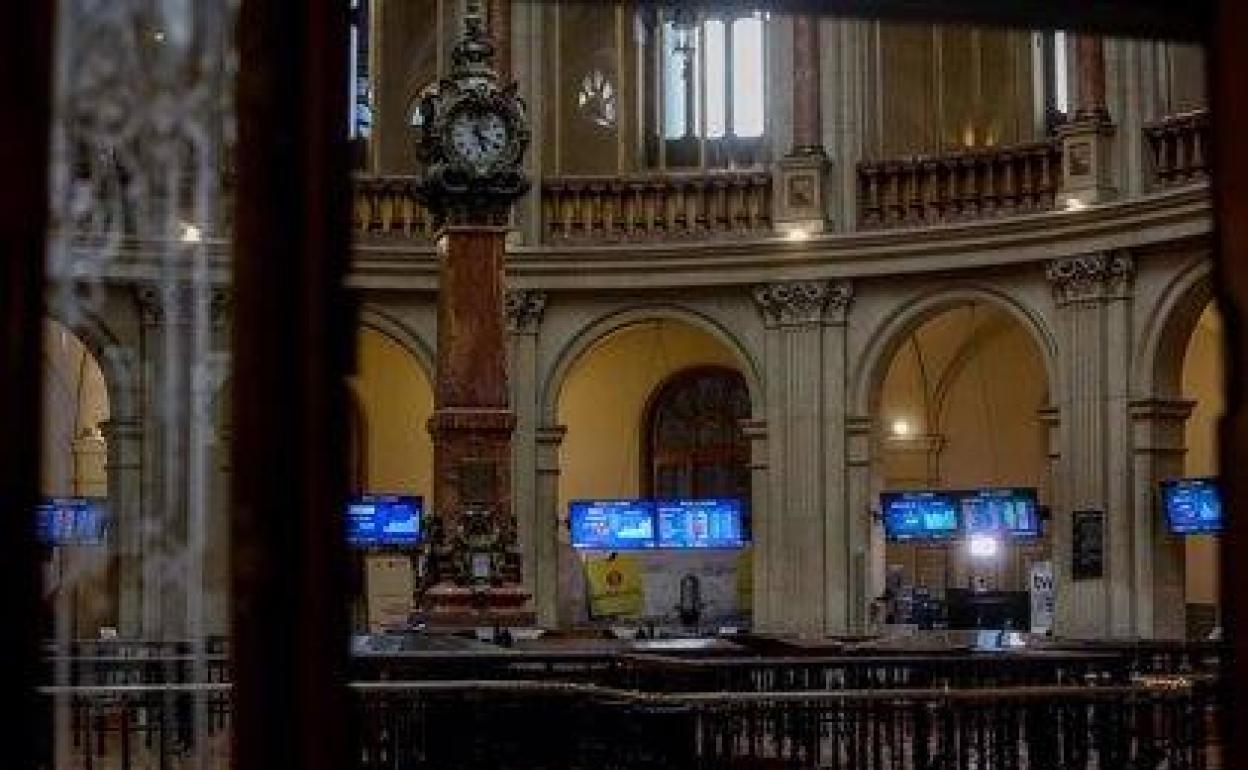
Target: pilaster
point(523, 311)
point(846, 531)
point(755, 432)
point(795, 541)
point(1093, 297)
point(1160, 565)
point(548, 533)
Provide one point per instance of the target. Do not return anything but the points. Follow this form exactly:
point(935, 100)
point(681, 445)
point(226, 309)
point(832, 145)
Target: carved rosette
point(1090, 277)
point(523, 309)
point(798, 303)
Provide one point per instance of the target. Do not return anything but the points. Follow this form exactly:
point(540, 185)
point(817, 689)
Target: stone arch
point(117, 362)
point(382, 322)
point(601, 327)
point(1158, 367)
point(887, 338)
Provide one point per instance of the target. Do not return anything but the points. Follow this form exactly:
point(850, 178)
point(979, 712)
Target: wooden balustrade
point(654, 207)
point(388, 206)
point(1180, 148)
point(976, 184)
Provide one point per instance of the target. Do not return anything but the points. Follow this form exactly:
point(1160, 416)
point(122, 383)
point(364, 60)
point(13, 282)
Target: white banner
point(1042, 597)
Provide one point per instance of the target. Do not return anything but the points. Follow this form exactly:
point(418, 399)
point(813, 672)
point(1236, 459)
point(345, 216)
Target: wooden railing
point(970, 185)
point(1180, 148)
point(654, 207)
point(387, 206)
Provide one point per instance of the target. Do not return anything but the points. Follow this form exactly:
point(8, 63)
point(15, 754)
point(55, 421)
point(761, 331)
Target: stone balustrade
point(388, 206)
point(657, 207)
point(1180, 148)
point(976, 184)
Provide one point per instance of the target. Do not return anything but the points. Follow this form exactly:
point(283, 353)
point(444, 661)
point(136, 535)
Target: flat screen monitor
point(1192, 506)
point(72, 521)
point(706, 523)
point(612, 525)
point(379, 520)
point(930, 515)
point(1013, 512)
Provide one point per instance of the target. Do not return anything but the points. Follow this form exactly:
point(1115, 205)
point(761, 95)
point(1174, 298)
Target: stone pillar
point(795, 537)
point(123, 437)
point(1087, 140)
point(1093, 296)
point(860, 504)
point(846, 530)
point(524, 316)
point(1160, 566)
point(801, 209)
point(755, 432)
point(549, 536)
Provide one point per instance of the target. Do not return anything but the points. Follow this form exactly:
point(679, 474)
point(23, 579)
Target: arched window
point(694, 445)
point(360, 99)
point(1055, 71)
point(706, 87)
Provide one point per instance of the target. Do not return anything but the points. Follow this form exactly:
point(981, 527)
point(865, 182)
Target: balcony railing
point(976, 184)
point(554, 725)
point(1180, 148)
point(652, 207)
point(387, 206)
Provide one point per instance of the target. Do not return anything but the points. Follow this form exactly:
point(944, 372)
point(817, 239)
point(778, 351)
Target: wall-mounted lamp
point(983, 546)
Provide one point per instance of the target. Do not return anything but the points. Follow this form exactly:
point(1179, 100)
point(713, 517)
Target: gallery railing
point(388, 207)
point(957, 187)
point(656, 207)
point(553, 725)
point(1180, 148)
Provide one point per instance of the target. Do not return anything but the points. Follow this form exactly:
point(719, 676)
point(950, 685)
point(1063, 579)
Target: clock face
point(480, 138)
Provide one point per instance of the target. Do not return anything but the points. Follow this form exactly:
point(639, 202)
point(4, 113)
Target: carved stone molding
point(797, 303)
point(524, 309)
point(1090, 277)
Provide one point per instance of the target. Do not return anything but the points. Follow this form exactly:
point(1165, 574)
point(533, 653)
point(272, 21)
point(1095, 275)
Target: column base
point(449, 606)
point(1087, 146)
point(801, 202)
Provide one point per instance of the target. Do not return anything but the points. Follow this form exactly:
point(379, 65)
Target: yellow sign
point(615, 587)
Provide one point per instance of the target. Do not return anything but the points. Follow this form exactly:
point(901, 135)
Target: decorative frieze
point(524, 309)
point(1090, 277)
point(796, 303)
point(177, 304)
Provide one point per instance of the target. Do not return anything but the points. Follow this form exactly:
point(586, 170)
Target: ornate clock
point(473, 136)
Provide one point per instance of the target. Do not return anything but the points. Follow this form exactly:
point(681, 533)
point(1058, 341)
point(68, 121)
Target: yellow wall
point(75, 402)
point(1202, 382)
point(604, 399)
point(396, 399)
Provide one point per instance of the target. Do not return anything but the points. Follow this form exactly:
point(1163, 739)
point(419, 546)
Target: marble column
point(1160, 564)
point(1090, 67)
point(499, 25)
point(794, 538)
point(800, 206)
point(1093, 297)
point(1087, 140)
point(524, 310)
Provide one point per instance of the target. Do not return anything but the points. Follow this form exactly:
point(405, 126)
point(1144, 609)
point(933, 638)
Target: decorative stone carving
point(797, 303)
point(524, 309)
point(1090, 277)
point(176, 305)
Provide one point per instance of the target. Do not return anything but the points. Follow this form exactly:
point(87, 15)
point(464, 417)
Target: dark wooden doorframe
point(25, 79)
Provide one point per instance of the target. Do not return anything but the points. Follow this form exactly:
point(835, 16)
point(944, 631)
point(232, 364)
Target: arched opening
point(677, 394)
point(80, 570)
point(392, 404)
point(1202, 384)
point(960, 409)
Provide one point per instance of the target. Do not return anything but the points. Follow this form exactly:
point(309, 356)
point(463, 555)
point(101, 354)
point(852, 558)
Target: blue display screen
point(1012, 512)
point(1192, 506)
point(919, 515)
point(71, 521)
point(612, 525)
point(709, 523)
point(384, 520)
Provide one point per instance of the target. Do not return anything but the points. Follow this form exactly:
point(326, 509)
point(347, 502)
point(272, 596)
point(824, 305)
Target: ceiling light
point(191, 233)
point(798, 234)
point(901, 428)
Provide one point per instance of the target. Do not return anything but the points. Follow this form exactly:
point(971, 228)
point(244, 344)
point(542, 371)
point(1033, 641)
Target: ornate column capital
point(523, 309)
point(800, 303)
point(175, 305)
point(1090, 277)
